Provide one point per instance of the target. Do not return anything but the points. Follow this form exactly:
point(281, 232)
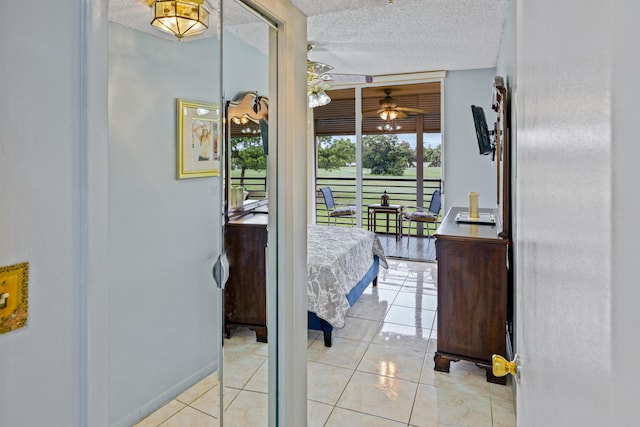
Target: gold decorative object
point(13, 296)
point(473, 205)
point(502, 367)
point(182, 18)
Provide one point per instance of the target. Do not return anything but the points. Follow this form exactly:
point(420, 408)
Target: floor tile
point(313, 335)
point(243, 341)
point(463, 378)
point(199, 388)
point(413, 285)
point(317, 413)
point(325, 383)
point(387, 360)
point(378, 373)
point(162, 414)
point(238, 368)
point(377, 295)
point(190, 417)
point(345, 353)
point(402, 336)
point(248, 409)
point(260, 380)
point(422, 300)
point(435, 406)
point(410, 316)
point(502, 392)
point(379, 395)
point(357, 329)
point(503, 413)
point(391, 277)
point(344, 417)
point(209, 403)
point(368, 310)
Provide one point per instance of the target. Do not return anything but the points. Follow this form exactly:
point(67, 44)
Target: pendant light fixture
point(388, 114)
point(182, 18)
point(318, 99)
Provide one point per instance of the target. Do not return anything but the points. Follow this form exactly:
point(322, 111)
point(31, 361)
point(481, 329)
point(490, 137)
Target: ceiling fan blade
point(319, 68)
point(400, 115)
point(351, 78)
point(410, 110)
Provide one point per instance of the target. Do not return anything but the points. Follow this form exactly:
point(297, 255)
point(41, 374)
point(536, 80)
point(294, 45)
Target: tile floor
point(378, 373)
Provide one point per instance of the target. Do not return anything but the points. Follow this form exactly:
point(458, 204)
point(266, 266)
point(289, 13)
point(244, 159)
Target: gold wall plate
point(14, 294)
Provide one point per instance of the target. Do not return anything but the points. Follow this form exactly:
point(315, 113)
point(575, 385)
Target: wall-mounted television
point(482, 131)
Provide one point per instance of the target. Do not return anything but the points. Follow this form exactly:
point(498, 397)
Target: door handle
point(220, 271)
point(502, 366)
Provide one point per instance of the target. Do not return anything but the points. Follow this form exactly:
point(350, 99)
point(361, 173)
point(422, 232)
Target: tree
point(384, 155)
point(335, 153)
point(433, 156)
point(247, 153)
point(410, 153)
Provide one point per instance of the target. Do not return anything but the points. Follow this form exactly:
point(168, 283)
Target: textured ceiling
point(374, 37)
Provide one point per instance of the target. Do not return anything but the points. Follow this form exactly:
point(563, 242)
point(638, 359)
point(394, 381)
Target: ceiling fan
point(318, 77)
point(389, 109)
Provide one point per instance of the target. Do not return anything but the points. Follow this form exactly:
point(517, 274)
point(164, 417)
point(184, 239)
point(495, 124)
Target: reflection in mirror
point(247, 142)
point(164, 339)
point(245, 90)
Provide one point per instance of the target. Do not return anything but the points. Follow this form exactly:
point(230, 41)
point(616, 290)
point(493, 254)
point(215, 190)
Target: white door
point(563, 238)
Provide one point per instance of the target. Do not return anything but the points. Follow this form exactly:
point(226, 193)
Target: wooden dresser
point(473, 295)
point(245, 294)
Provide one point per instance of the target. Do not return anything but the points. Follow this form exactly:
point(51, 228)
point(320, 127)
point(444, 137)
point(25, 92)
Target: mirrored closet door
point(247, 229)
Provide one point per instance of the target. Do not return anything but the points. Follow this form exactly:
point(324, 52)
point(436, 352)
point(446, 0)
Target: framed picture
point(197, 139)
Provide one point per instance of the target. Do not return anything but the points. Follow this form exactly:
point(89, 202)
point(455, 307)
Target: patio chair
point(428, 217)
point(334, 210)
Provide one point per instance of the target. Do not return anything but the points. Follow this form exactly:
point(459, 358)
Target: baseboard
point(161, 400)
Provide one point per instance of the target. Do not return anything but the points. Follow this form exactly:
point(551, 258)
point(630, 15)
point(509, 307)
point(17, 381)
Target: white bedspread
point(337, 258)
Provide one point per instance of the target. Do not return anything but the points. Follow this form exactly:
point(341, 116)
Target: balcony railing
point(255, 185)
point(401, 191)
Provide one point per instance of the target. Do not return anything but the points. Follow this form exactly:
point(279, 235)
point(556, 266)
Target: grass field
point(401, 189)
point(350, 172)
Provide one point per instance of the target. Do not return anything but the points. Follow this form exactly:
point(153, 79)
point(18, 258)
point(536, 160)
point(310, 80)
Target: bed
point(341, 263)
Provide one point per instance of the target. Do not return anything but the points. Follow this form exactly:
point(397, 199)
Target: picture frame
point(198, 139)
point(14, 296)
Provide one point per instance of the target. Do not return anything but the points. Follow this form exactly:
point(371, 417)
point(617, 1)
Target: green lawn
point(400, 192)
point(350, 172)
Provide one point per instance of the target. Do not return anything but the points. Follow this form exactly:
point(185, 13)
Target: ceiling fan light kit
point(389, 127)
point(388, 114)
point(318, 76)
point(318, 99)
point(390, 110)
point(182, 18)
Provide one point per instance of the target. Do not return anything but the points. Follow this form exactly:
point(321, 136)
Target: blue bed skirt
point(370, 276)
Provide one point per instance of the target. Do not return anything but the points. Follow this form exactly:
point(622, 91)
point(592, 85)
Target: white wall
point(465, 169)
point(245, 68)
point(163, 233)
point(40, 215)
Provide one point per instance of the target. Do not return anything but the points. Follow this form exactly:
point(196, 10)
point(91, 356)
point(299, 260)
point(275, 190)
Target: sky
point(430, 139)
